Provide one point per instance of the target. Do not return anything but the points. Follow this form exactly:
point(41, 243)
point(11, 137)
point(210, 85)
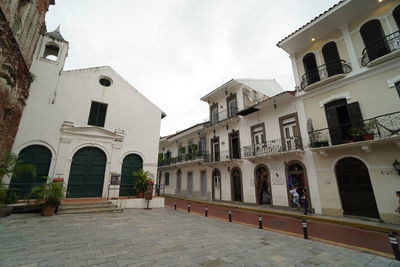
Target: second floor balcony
point(272, 147)
point(365, 133)
point(198, 156)
point(223, 115)
point(381, 50)
point(226, 155)
point(324, 74)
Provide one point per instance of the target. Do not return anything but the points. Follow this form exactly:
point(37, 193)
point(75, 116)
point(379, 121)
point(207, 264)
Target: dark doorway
point(374, 39)
point(297, 176)
point(341, 117)
point(263, 185)
point(332, 59)
point(216, 185)
point(131, 163)
point(40, 157)
point(86, 176)
point(215, 149)
point(234, 145)
point(311, 68)
point(178, 181)
point(236, 180)
point(396, 16)
point(355, 188)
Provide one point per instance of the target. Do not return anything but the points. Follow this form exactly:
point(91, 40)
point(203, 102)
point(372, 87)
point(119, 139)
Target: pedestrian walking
point(304, 200)
point(295, 196)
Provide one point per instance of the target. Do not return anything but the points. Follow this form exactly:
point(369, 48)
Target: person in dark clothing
point(305, 202)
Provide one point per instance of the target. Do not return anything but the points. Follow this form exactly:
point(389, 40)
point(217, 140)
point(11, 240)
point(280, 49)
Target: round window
point(105, 81)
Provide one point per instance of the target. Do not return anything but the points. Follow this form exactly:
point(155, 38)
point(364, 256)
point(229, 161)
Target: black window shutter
point(93, 113)
point(334, 128)
point(101, 117)
point(354, 112)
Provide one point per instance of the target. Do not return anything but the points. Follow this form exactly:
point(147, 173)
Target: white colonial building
point(252, 150)
point(83, 125)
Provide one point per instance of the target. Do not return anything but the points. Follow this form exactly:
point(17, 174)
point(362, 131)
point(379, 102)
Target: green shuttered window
point(97, 114)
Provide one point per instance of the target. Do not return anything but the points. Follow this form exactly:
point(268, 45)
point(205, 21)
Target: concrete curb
point(377, 228)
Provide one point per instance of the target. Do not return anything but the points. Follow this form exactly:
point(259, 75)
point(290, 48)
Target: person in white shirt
point(295, 196)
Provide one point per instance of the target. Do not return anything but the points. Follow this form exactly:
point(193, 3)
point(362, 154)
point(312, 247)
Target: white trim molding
point(334, 97)
point(392, 82)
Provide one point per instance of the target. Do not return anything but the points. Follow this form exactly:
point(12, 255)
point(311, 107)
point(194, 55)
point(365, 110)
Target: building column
point(390, 29)
point(349, 46)
point(294, 69)
point(115, 167)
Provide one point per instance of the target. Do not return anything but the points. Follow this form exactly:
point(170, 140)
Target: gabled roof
point(267, 87)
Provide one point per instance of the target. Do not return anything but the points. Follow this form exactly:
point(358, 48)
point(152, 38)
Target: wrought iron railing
point(381, 47)
point(325, 71)
point(186, 157)
point(225, 155)
point(222, 115)
point(380, 127)
point(273, 147)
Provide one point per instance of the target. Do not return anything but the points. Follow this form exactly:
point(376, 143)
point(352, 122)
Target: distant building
point(250, 151)
point(347, 63)
point(21, 23)
point(84, 125)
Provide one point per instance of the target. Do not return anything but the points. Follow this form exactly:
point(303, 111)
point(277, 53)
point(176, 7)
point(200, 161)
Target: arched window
point(311, 68)
point(130, 164)
point(216, 188)
point(262, 185)
point(374, 39)
point(51, 52)
point(236, 183)
point(396, 15)
point(332, 59)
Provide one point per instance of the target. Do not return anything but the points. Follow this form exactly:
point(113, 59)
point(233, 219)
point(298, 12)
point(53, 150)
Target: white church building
point(84, 125)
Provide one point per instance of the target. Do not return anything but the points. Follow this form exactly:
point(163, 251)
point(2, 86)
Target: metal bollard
point(260, 226)
point(189, 207)
point(230, 216)
point(206, 211)
point(305, 229)
point(174, 205)
point(395, 247)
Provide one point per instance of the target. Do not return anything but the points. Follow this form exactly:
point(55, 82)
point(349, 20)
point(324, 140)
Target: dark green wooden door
point(131, 164)
point(86, 176)
point(38, 156)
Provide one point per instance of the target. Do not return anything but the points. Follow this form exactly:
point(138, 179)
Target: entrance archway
point(216, 185)
point(131, 163)
point(86, 176)
point(297, 176)
point(236, 182)
point(178, 181)
point(355, 188)
point(263, 185)
point(40, 157)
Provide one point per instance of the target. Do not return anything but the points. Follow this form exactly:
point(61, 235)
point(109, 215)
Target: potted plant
point(49, 195)
point(141, 179)
point(364, 132)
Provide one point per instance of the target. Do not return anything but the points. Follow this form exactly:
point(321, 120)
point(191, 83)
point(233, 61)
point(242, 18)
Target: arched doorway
point(332, 59)
point(178, 181)
point(374, 39)
point(40, 157)
point(263, 185)
point(131, 163)
point(86, 177)
point(236, 182)
point(297, 176)
point(216, 187)
point(311, 68)
point(355, 188)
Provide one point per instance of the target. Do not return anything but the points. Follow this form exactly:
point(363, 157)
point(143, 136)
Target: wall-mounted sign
point(115, 178)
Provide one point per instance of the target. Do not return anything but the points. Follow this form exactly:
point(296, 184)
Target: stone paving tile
point(160, 237)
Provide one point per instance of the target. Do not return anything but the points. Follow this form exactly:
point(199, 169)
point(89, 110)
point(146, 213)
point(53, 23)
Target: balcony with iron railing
point(275, 146)
point(374, 130)
point(226, 155)
point(197, 156)
point(324, 74)
point(381, 50)
point(222, 116)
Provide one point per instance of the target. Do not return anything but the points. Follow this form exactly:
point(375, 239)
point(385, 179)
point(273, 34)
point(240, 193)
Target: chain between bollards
point(395, 247)
point(230, 216)
point(174, 205)
point(206, 211)
point(305, 229)
point(189, 207)
point(260, 226)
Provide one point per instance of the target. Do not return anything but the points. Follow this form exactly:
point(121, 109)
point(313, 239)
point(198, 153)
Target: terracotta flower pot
point(368, 136)
point(48, 210)
point(140, 194)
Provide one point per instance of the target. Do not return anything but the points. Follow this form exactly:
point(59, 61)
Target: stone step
point(102, 204)
point(89, 210)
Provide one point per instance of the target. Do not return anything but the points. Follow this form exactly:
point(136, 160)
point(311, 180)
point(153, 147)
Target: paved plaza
point(160, 237)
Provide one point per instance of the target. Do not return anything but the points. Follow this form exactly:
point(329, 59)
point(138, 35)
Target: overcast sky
point(176, 51)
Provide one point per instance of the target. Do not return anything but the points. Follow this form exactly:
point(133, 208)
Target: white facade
point(256, 110)
point(58, 108)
